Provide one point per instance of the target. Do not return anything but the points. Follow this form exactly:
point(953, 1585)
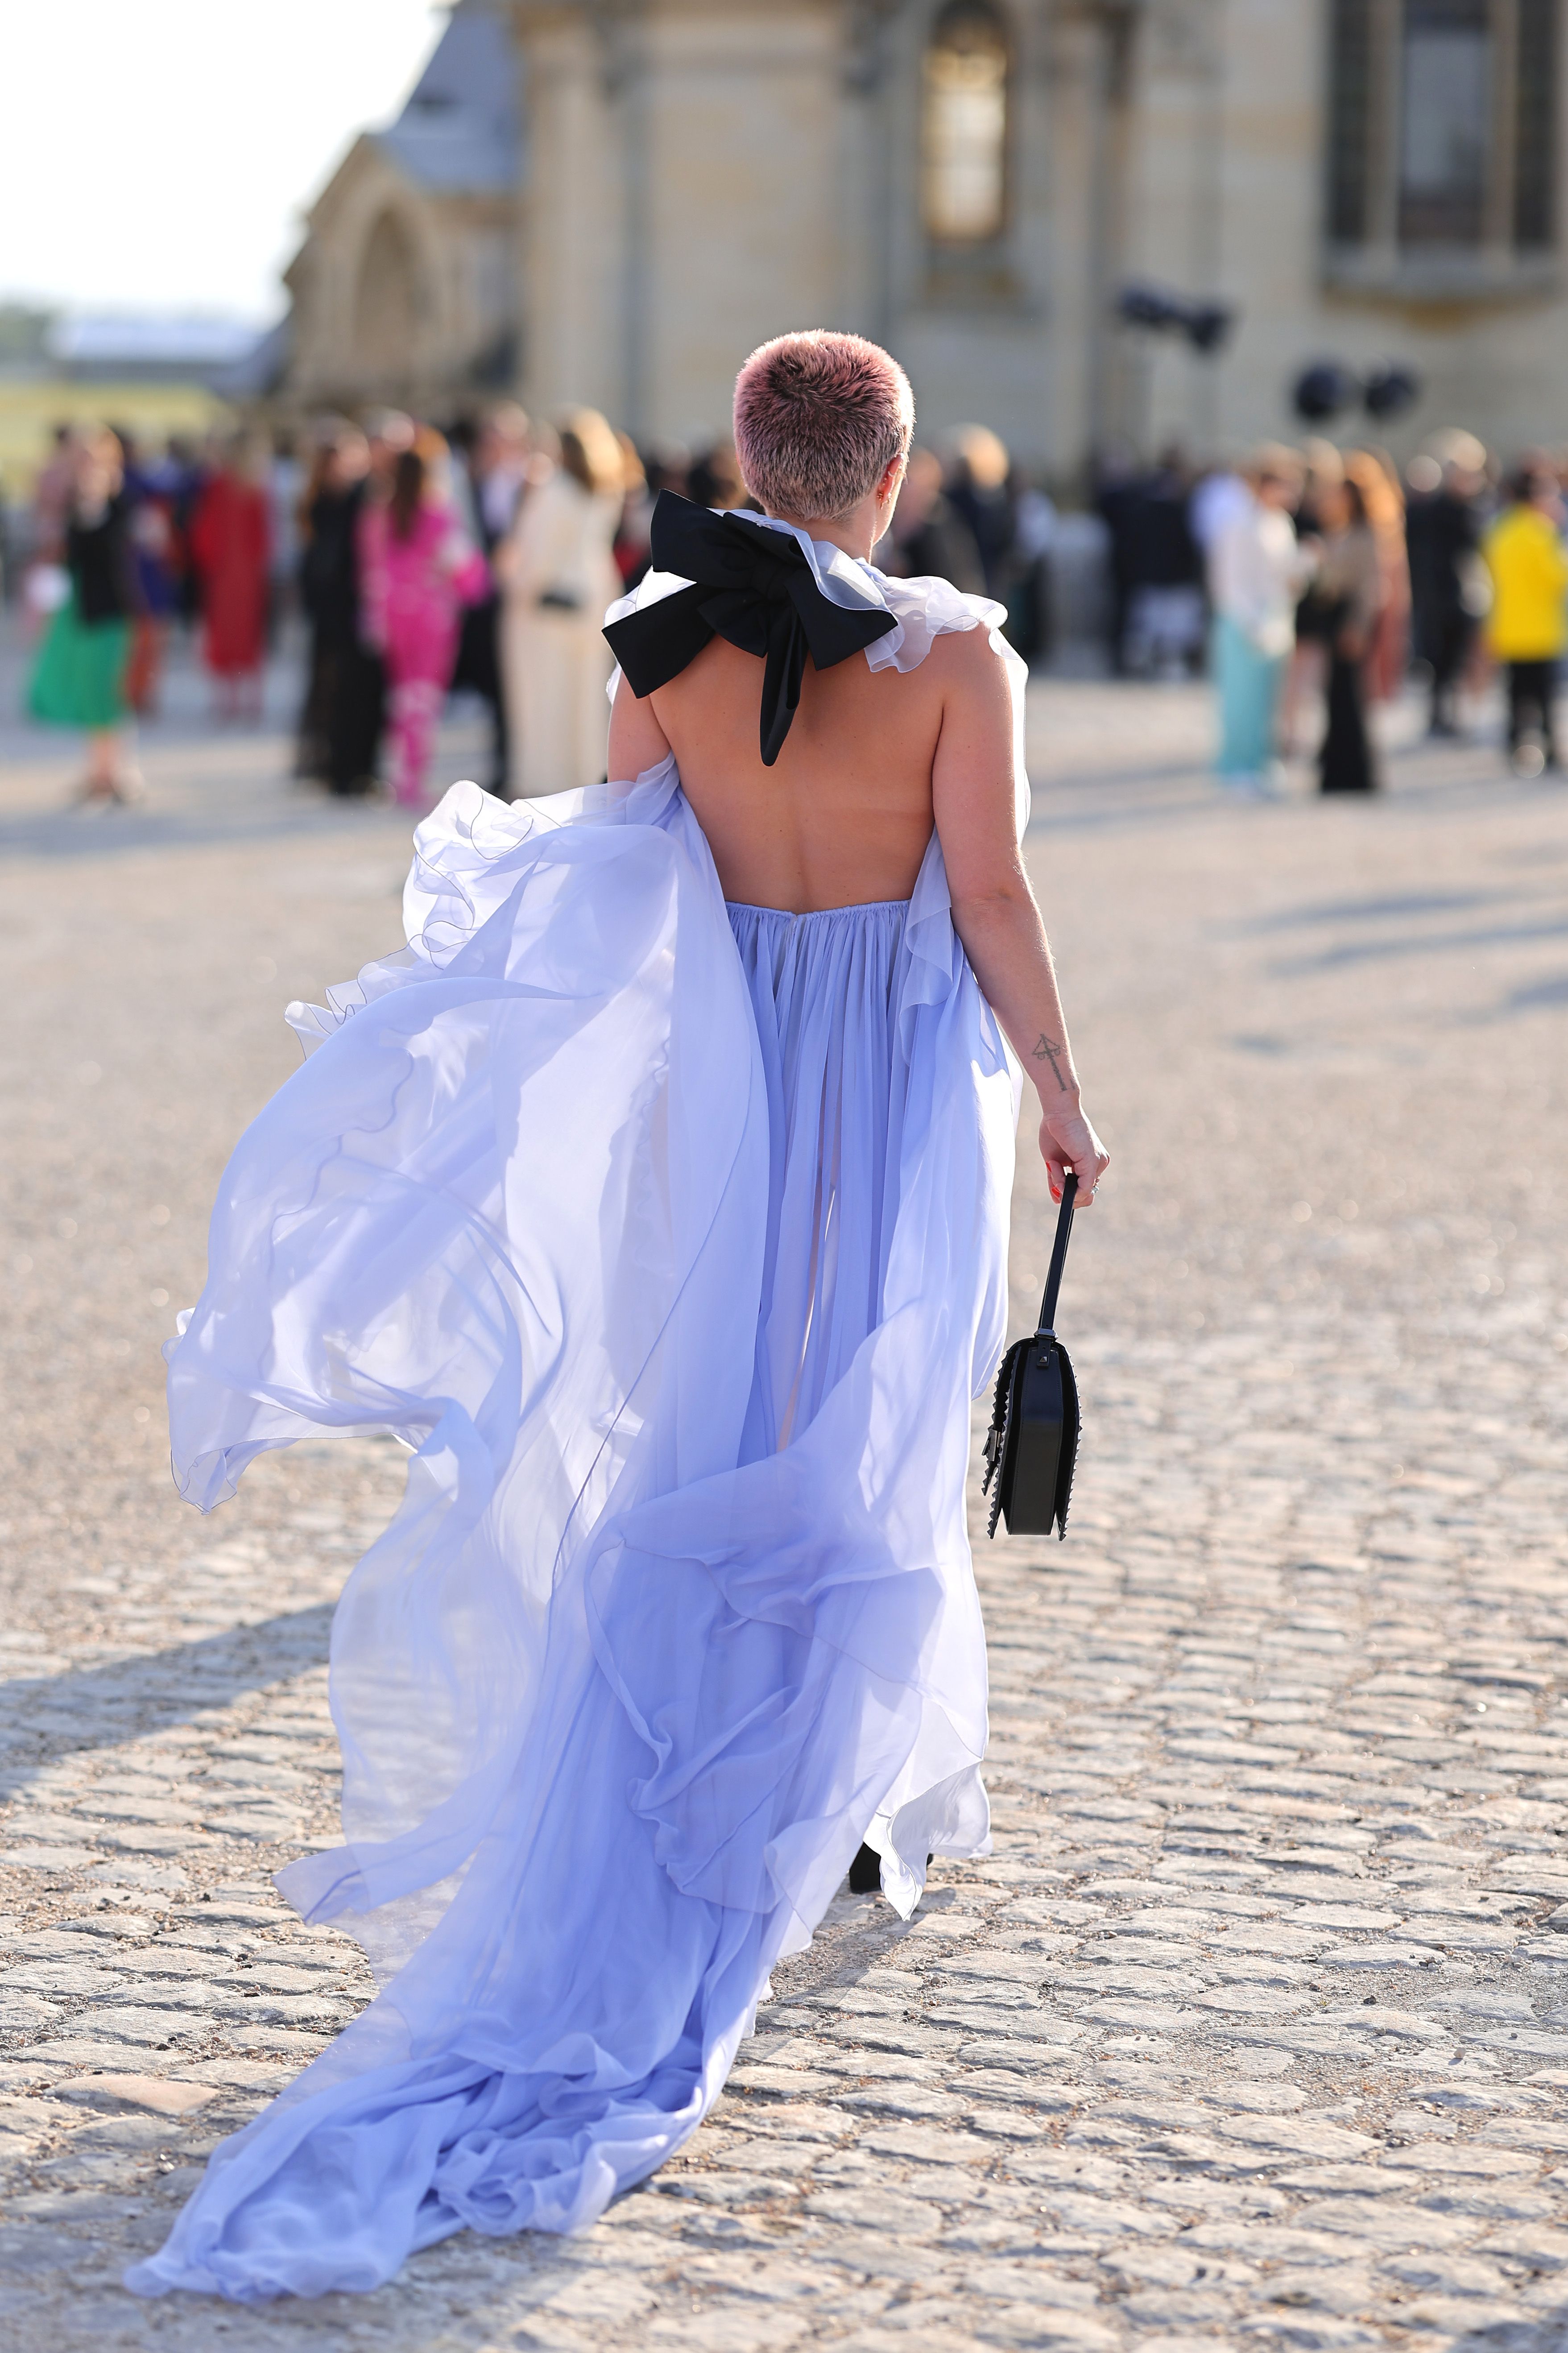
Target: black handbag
point(1031, 1446)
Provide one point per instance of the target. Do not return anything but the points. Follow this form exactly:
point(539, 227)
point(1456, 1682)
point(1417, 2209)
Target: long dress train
point(671, 1237)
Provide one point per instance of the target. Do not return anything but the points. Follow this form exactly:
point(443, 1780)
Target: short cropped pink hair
point(820, 418)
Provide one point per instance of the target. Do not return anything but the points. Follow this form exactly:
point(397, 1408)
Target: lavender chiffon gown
point(671, 1237)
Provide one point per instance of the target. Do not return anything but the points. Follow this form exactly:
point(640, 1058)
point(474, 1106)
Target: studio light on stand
point(1205, 327)
point(1327, 388)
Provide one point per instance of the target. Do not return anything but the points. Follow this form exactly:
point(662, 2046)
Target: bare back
point(844, 814)
point(872, 762)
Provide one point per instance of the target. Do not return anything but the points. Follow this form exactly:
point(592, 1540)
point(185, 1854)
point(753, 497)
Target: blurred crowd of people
point(1327, 569)
point(483, 559)
point(420, 562)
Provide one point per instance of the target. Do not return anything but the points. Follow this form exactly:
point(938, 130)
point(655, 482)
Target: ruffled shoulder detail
point(928, 609)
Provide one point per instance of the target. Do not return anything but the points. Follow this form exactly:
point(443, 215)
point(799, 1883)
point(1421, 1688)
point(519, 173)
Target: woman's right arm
point(994, 909)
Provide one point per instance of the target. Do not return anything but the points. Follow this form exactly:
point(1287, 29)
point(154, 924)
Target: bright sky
point(158, 154)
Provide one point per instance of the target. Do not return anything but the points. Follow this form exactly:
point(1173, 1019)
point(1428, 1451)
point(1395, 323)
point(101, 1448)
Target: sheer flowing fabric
point(671, 1237)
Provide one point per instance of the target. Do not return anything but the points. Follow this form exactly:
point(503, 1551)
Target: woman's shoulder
point(964, 654)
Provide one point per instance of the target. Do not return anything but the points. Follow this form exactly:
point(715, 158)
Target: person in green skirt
point(79, 679)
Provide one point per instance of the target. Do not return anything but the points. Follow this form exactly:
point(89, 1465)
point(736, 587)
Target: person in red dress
point(230, 543)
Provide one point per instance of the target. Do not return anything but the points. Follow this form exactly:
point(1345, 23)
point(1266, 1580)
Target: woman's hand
point(1068, 1141)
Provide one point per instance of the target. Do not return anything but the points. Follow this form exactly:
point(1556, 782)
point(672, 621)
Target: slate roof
point(459, 134)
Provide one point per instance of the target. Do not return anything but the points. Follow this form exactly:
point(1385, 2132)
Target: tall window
point(1441, 126)
point(1445, 132)
point(1535, 149)
point(1350, 120)
point(965, 128)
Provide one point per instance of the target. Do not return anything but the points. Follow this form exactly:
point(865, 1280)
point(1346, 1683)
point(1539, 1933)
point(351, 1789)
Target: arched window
point(386, 305)
point(963, 157)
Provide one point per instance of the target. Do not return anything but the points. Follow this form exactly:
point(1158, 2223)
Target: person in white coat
point(1258, 569)
point(558, 577)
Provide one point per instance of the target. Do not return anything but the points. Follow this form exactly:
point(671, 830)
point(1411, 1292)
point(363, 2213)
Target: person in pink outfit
point(417, 569)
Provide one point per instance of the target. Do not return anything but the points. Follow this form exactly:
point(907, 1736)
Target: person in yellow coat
point(1527, 624)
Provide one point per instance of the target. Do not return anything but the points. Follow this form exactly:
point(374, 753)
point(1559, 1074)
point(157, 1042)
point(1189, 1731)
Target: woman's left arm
point(638, 741)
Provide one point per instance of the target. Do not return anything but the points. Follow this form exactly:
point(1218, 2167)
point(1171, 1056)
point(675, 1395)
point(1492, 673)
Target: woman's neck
point(856, 532)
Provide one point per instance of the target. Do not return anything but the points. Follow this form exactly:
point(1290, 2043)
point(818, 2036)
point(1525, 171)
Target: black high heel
point(866, 1871)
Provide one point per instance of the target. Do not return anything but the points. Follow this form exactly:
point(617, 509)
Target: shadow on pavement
point(1496, 935)
point(125, 1699)
point(1539, 993)
point(1372, 911)
point(69, 834)
point(1548, 2335)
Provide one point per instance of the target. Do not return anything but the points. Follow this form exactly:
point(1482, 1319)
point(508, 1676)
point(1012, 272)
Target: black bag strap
point(1059, 1255)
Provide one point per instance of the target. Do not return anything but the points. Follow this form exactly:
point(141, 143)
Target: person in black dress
point(1341, 608)
point(343, 720)
point(1443, 526)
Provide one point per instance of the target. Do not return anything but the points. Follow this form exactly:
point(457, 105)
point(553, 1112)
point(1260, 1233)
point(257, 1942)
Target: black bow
point(751, 585)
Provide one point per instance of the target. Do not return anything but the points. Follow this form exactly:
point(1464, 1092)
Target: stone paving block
point(1312, 2333)
point(1256, 2001)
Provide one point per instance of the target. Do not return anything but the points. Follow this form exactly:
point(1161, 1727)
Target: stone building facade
point(405, 289)
point(976, 182)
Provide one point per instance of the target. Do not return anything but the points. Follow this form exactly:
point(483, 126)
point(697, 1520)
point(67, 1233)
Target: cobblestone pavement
point(1254, 2030)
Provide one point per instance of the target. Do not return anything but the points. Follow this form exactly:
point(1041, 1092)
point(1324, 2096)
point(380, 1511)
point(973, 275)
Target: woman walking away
point(230, 541)
point(658, 1199)
point(79, 680)
point(660, 1205)
point(1525, 630)
point(418, 567)
point(557, 572)
point(1346, 598)
point(1257, 571)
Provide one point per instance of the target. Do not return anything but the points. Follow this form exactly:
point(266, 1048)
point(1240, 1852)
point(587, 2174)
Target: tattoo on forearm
point(1047, 1050)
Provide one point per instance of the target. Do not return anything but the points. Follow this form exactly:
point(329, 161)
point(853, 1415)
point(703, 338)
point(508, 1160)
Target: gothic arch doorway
point(387, 301)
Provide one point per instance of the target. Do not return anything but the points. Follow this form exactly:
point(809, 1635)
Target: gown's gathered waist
point(813, 914)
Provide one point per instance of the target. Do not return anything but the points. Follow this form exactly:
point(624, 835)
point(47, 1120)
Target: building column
point(865, 292)
point(573, 213)
point(1114, 374)
point(1092, 54)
